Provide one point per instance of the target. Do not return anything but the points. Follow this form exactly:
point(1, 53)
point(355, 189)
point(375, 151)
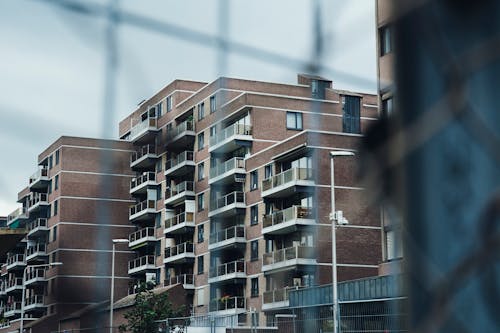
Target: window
point(158, 220)
point(212, 104)
point(201, 111)
point(54, 257)
point(255, 287)
point(201, 263)
point(201, 171)
point(394, 244)
point(169, 103)
point(268, 171)
point(201, 202)
point(294, 120)
point(57, 157)
point(56, 207)
point(385, 40)
point(159, 165)
point(254, 250)
point(159, 110)
point(201, 232)
point(50, 161)
point(387, 106)
point(54, 233)
point(254, 180)
point(200, 297)
point(213, 131)
point(50, 186)
point(351, 107)
point(201, 141)
point(254, 215)
point(56, 182)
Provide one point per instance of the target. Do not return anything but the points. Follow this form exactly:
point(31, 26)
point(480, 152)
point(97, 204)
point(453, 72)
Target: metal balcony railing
point(138, 128)
point(227, 303)
point(144, 150)
point(235, 129)
point(187, 125)
point(278, 295)
point(178, 219)
point(288, 214)
point(289, 253)
point(15, 306)
point(228, 233)
point(146, 204)
point(33, 300)
point(20, 213)
point(180, 158)
point(221, 168)
point(237, 266)
point(228, 199)
point(37, 198)
point(145, 177)
point(42, 172)
point(186, 247)
point(40, 247)
point(182, 279)
point(287, 176)
point(14, 282)
point(35, 273)
point(179, 188)
point(141, 261)
point(37, 223)
point(16, 258)
point(140, 234)
point(5, 323)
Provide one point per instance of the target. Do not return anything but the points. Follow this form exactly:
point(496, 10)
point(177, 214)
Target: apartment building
point(73, 206)
point(232, 191)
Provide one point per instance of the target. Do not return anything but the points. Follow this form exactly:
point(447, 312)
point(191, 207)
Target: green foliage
point(148, 308)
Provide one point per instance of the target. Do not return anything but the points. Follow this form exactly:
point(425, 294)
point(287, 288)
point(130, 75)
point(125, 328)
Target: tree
point(149, 307)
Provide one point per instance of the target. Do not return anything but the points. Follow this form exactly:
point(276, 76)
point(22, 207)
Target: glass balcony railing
point(187, 125)
point(20, 213)
point(37, 249)
point(15, 282)
point(232, 130)
point(182, 279)
point(285, 177)
point(144, 178)
point(140, 128)
point(17, 259)
point(289, 253)
point(179, 188)
point(39, 223)
point(142, 206)
point(228, 199)
point(142, 234)
point(37, 199)
point(12, 308)
point(143, 151)
point(179, 159)
point(33, 301)
point(227, 303)
point(35, 273)
point(288, 214)
point(183, 248)
point(229, 233)
point(42, 173)
point(237, 266)
point(221, 168)
point(278, 295)
point(141, 262)
point(179, 219)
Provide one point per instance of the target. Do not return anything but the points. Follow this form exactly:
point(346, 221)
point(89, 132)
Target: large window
point(255, 287)
point(201, 233)
point(201, 171)
point(201, 264)
point(351, 106)
point(254, 215)
point(201, 202)
point(254, 250)
point(201, 141)
point(213, 105)
point(201, 111)
point(169, 103)
point(294, 120)
point(385, 40)
point(254, 180)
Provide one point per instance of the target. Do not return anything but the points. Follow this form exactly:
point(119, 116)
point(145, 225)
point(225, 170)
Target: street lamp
point(336, 217)
point(115, 241)
point(21, 324)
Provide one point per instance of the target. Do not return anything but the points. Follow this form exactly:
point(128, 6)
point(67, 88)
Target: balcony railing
point(20, 213)
point(286, 215)
point(232, 130)
point(145, 150)
point(33, 251)
point(141, 235)
point(180, 158)
point(278, 295)
point(187, 125)
point(289, 253)
point(228, 199)
point(17, 259)
point(12, 308)
point(15, 283)
point(39, 223)
point(36, 273)
point(184, 279)
point(288, 176)
point(144, 178)
point(36, 199)
point(41, 174)
point(228, 233)
point(183, 248)
point(143, 262)
point(237, 266)
point(222, 168)
point(33, 301)
point(185, 217)
point(142, 206)
point(179, 188)
point(5, 324)
point(227, 303)
point(142, 127)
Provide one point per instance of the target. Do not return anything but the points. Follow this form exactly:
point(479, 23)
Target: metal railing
point(35, 299)
point(37, 198)
point(178, 219)
point(16, 258)
point(39, 222)
point(180, 158)
point(187, 125)
point(234, 129)
point(221, 168)
point(146, 204)
point(182, 279)
point(141, 261)
point(286, 177)
point(42, 172)
point(35, 273)
point(228, 233)
point(228, 199)
point(187, 185)
point(278, 295)
point(139, 234)
point(227, 303)
point(13, 306)
point(237, 266)
point(20, 212)
point(14, 282)
point(142, 126)
point(289, 253)
point(288, 214)
point(145, 177)
point(144, 150)
point(5, 323)
point(186, 247)
point(39, 247)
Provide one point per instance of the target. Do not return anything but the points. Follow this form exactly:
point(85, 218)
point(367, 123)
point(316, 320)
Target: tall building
point(74, 205)
point(232, 188)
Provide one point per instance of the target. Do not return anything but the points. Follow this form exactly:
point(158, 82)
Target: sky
point(53, 62)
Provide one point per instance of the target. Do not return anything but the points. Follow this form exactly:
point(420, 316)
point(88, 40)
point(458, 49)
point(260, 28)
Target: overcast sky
point(53, 63)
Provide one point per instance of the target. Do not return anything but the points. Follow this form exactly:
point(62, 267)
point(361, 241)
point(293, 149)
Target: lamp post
point(335, 217)
point(111, 302)
point(21, 324)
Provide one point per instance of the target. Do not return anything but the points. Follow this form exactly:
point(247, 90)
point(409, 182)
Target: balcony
point(277, 298)
point(34, 303)
point(228, 305)
point(14, 284)
point(5, 324)
point(12, 309)
point(231, 138)
point(288, 182)
point(187, 281)
point(180, 165)
point(181, 136)
point(179, 224)
point(141, 237)
point(228, 271)
point(179, 192)
point(142, 211)
point(228, 171)
point(36, 253)
point(144, 131)
point(16, 217)
point(287, 220)
point(3, 287)
point(288, 258)
point(141, 265)
point(230, 237)
point(227, 205)
point(37, 228)
point(35, 276)
point(144, 158)
point(16, 261)
point(38, 202)
point(39, 181)
point(179, 254)
point(139, 185)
